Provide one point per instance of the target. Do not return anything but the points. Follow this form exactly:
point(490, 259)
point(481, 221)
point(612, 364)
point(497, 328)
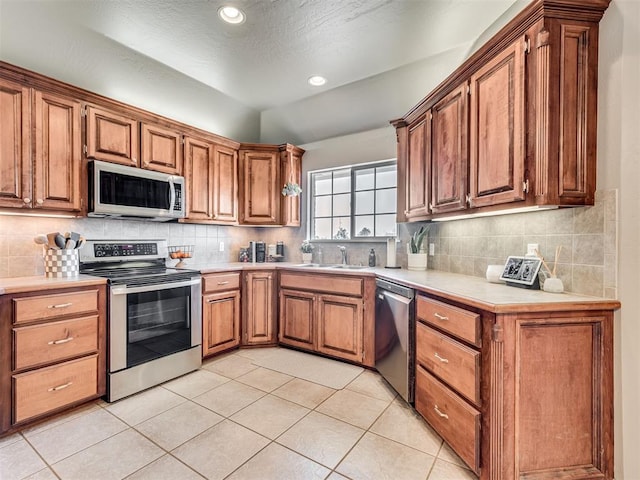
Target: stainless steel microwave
point(134, 193)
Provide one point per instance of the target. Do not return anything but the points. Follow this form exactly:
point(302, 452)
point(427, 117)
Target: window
point(353, 202)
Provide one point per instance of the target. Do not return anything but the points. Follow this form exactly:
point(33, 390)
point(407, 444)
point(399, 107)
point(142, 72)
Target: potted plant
point(291, 189)
point(416, 258)
point(307, 251)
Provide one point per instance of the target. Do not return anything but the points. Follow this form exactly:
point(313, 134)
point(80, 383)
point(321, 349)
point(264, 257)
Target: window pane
point(322, 228)
point(364, 226)
point(342, 181)
point(323, 206)
point(322, 183)
point(386, 201)
point(365, 179)
point(364, 202)
point(341, 228)
point(386, 176)
point(342, 204)
point(385, 225)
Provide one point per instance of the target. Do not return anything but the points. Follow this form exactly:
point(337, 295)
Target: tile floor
point(252, 414)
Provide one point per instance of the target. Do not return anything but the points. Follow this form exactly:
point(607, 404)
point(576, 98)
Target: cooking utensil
point(59, 240)
point(80, 243)
point(51, 240)
point(41, 239)
point(70, 244)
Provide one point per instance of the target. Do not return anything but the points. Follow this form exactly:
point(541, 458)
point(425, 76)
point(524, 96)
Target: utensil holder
point(61, 263)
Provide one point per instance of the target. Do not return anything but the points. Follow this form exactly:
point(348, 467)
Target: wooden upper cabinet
point(291, 171)
point(15, 141)
point(199, 178)
point(260, 186)
point(161, 149)
point(225, 184)
point(498, 128)
point(418, 168)
point(112, 137)
point(449, 151)
point(58, 157)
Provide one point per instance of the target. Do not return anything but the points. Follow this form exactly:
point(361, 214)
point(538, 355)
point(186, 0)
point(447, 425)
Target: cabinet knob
point(26, 200)
point(39, 201)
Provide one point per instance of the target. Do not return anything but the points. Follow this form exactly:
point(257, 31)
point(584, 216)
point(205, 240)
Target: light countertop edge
point(41, 283)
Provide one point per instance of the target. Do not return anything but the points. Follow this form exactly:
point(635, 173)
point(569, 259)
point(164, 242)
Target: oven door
point(152, 321)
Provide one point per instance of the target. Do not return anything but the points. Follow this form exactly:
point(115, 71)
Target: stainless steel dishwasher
point(395, 336)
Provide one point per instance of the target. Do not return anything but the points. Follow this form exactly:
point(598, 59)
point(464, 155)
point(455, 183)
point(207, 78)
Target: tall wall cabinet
point(514, 126)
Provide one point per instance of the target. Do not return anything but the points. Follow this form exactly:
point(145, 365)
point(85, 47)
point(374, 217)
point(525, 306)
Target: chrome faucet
point(343, 252)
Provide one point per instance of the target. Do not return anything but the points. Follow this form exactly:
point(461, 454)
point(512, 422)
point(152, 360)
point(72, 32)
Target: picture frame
point(521, 271)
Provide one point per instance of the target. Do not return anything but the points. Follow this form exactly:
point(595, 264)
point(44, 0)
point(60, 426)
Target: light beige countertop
point(40, 282)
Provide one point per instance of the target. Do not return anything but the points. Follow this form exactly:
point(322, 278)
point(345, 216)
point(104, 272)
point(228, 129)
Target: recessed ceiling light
point(231, 15)
point(317, 81)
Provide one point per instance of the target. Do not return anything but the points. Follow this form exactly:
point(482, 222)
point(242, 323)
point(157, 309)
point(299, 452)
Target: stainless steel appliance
point(135, 193)
point(395, 336)
point(154, 314)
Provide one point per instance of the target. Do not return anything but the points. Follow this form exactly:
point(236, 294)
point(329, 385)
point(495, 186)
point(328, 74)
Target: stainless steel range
point(154, 312)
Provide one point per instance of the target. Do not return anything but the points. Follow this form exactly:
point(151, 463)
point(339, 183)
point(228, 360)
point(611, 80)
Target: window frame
point(352, 215)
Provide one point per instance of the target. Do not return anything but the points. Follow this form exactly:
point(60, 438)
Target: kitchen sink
point(308, 265)
point(350, 267)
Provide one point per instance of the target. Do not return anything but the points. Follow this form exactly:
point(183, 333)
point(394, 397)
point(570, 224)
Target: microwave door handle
point(172, 194)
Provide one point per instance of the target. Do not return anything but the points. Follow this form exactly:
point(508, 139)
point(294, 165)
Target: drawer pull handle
point(61, 305)
point(440, 317)
point(58, 342)
point(60, 387)
point(443, 415)
point(443, 360)
point(223, 283)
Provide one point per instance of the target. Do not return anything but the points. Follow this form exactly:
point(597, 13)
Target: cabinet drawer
point(220, 282)
point(453, 418)
point(461, 323)
point(28, 309)
point(49, 388)
point(337, 283)
point(456, 364)
point(49, 342)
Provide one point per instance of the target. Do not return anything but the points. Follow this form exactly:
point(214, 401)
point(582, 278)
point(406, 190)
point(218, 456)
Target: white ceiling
point(265, 62)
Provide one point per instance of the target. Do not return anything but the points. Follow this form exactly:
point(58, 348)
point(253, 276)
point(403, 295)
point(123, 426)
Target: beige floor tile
point(220, 450)
point(353, 407)
point(302, 392)
point(45, 474)
point(230, 366)
point(63, 417)
point(330, 373)
point(401, 423)
point(19, 460)
point(113, 458)
point(321, 438)
point(448, 471)
point(270, 416)
point(9, 439)
point(70, 437)
point(165, 468)
point(336, 476)
point(229, 398)
point(372, 384)
point(382, 459)
point(257, 353)
point(144, 405)
point(264, 379)
point(195, 383)
point(448, 455)
point(176, 426)
point(277, 463)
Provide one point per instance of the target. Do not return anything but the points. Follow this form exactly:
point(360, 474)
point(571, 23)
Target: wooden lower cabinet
point(533, 399)
point(297, 319)
point(259, 304)
point(220, 312)
point(340, 325)
point(52, 352)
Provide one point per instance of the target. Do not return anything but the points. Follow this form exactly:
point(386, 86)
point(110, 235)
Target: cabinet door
point(225, 184)
point(297, 319)
point(417, 169)
point(340, 323)
point(15, 144)
point(112, 137)
point(260, 202)
point(161, 149)
point(57, 163)
point(220, 321)
point(198, 178)
point(259, 317)
point(291, 171)
point(449, 152)
point(498, 129)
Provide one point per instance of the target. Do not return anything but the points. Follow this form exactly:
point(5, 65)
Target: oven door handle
point(124, 290)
